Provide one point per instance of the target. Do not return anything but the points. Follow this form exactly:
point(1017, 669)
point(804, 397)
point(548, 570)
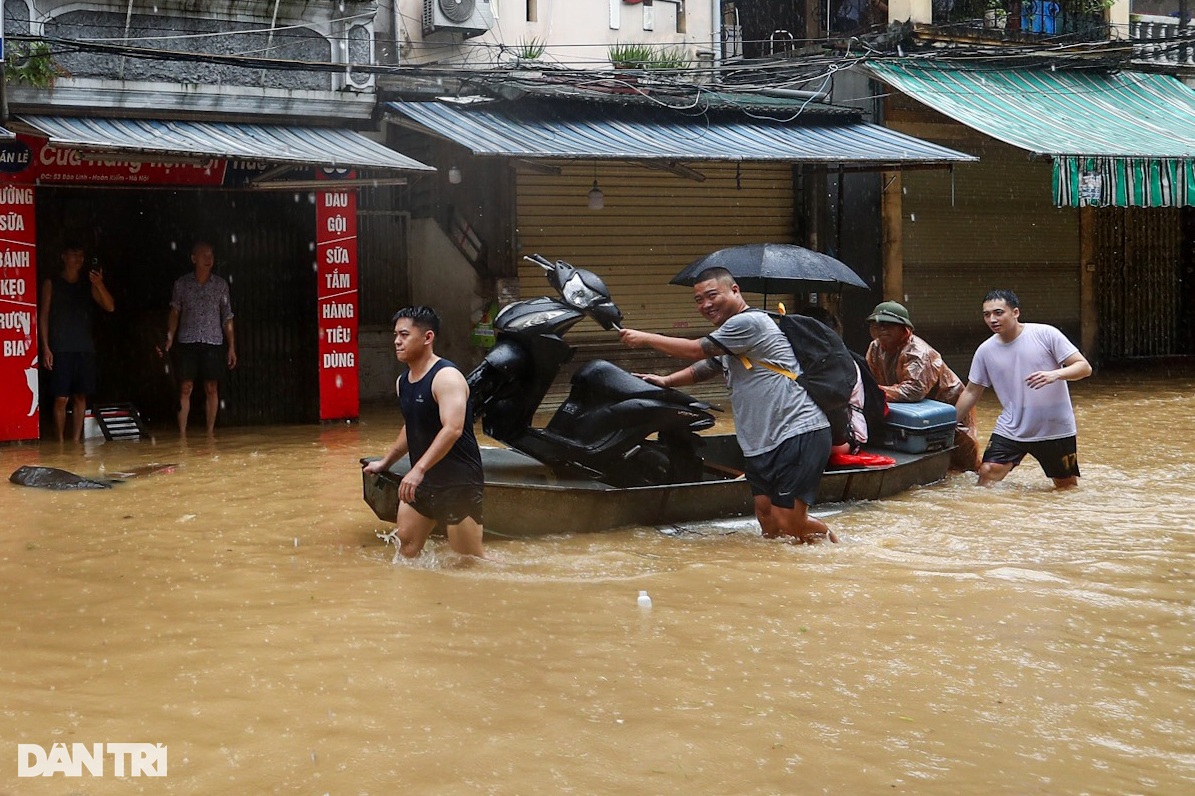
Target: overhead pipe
point(821, 95)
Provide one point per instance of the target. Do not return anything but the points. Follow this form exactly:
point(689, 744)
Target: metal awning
point(573, 130)
point(277, 144)
point(1125, 139)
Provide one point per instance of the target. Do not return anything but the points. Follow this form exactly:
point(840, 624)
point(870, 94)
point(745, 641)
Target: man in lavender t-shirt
point(1028, 364)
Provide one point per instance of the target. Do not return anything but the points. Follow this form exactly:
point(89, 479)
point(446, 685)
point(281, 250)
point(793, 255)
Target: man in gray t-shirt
point(785, 437)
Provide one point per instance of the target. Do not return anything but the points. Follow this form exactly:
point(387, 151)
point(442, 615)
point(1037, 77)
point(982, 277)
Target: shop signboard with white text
point(19, 417)
point(337, 299)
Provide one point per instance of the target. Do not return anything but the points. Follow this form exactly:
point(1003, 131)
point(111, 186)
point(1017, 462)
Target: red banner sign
point(336, 290)
point(27, 159)
point(18, 314)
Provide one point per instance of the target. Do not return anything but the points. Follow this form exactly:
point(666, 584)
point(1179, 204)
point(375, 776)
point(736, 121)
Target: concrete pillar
point(1118, 19)
point(892, 235)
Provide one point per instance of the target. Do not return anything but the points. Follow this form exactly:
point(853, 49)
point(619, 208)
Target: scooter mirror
point(607, 314)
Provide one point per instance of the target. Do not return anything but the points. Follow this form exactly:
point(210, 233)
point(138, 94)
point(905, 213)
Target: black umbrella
point(776, 268)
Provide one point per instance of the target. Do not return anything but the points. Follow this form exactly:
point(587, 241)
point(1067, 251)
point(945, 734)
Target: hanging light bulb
point(597, 199)
point(454, 175)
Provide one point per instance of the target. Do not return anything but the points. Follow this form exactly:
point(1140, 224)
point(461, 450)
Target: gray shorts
point(792, 470)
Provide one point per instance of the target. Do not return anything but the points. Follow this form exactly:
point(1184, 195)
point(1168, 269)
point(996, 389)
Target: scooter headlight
point(534, 319)
point(578, 293)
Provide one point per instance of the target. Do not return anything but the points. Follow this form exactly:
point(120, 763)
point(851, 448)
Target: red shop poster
point(336, 291)
point(18, 315)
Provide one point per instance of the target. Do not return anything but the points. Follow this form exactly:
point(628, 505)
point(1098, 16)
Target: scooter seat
point(602, 379)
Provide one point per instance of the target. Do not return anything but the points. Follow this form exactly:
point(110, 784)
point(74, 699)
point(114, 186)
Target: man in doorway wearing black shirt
point(67, 346)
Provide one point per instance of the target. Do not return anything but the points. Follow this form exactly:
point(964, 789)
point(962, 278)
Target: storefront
point(638, 191)
point(1083, 202)
point(277, 203)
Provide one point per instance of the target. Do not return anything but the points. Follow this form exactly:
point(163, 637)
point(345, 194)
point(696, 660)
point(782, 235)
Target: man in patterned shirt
point(201, 317)
point(909, 369)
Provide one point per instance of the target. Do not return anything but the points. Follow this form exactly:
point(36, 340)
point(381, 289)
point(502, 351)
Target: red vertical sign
point(18, 314)
point(336, 275)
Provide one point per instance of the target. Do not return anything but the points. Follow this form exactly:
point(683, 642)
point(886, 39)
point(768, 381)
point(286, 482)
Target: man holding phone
point(64, 323)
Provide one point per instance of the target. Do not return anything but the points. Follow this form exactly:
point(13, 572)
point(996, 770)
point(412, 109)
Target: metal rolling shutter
point(1000, 229)
point(654, 223)
point(1139, 273)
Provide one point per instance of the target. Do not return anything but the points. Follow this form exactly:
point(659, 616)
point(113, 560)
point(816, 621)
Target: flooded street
point(241, 611)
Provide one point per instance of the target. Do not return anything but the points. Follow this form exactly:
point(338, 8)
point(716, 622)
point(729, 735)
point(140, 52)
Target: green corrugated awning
point(1125, 139)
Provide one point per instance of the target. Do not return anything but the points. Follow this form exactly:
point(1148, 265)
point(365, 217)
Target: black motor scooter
point(604, 429)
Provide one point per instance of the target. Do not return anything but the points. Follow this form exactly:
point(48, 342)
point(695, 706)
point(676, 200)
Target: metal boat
point(524, 498)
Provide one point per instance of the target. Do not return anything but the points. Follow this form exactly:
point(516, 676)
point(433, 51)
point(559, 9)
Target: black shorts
point(792, 470)
point(1058, 458)
point(450, 505)
point(199, 362)
point(73, 374)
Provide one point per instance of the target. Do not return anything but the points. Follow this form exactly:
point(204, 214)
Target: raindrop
point(296, 197)
point(339, 382)
point(310, 245)
point(311, 197)
point(315, 266)
point(173, 246)
point(232, 238)
point(912, 216)
point(221, 404)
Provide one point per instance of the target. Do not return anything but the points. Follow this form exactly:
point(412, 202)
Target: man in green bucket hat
point(909, 369)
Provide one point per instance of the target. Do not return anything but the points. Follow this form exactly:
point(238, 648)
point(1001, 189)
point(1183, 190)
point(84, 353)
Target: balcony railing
point(1162, 40)
point(1073, 20)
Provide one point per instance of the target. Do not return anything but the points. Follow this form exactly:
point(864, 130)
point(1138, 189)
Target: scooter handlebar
point(540, 260)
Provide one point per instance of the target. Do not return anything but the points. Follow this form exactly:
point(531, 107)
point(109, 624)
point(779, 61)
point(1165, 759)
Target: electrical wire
point(486, 64)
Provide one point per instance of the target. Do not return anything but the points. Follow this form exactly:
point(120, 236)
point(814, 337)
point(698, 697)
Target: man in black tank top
point(444, 485)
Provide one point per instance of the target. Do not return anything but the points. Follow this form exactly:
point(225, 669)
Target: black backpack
point(827, 368)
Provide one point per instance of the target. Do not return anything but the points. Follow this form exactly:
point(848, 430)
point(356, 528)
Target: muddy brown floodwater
point(959, 640)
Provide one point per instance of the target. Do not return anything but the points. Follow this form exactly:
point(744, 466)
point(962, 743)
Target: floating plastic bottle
point(644, 599)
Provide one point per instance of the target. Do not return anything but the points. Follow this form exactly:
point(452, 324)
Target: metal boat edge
point(523, 498)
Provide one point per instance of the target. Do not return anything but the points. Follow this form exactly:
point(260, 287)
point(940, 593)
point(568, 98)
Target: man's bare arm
point(698, 371)
point(679, 347)
point(1073, 368)
point(968, 399)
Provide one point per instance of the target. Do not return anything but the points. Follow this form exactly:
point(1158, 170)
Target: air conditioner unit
point(462, 17)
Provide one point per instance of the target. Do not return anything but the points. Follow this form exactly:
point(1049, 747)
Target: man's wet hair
point(422, 316)
point(202, 242)
point(73, 243)
point(715, 272)
point(1003, 295)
